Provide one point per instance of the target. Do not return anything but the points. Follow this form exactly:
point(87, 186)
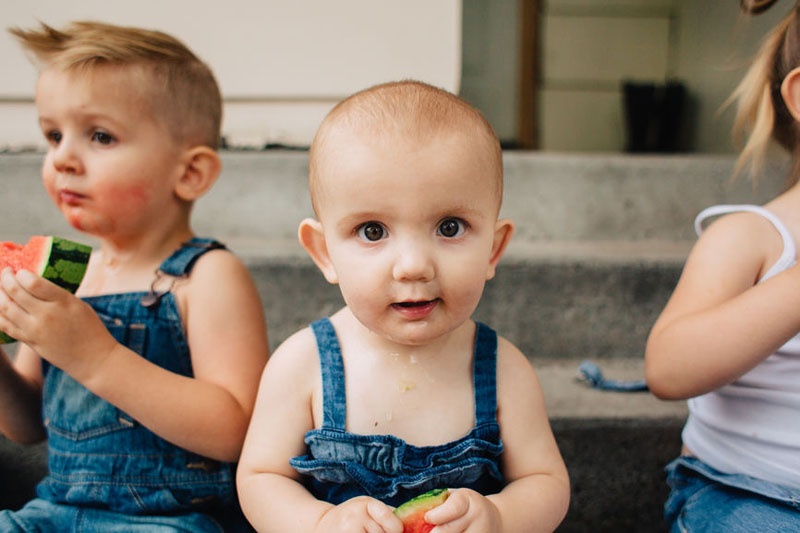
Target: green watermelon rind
point(64, 263)
point(426, 501)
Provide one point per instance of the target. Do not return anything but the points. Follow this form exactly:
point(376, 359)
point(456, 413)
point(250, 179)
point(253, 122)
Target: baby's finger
point(454, 507)
point(384, 516)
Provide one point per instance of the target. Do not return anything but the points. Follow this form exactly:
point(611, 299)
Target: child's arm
point(718, 323)
point(270, 491)
point(21, 396)
point(207, 414)
point(537, 493)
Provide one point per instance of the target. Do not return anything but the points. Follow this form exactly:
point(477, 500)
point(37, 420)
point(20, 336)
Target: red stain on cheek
point(132, 196)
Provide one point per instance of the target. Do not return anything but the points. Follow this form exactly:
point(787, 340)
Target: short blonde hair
point(407, 108)
point(762, 115)
point(179, 88)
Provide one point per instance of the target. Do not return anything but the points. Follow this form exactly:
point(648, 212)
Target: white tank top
point(752, 426)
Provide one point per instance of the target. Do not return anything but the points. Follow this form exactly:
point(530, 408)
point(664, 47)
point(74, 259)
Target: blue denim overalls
point(341, 465)
point(99, 457)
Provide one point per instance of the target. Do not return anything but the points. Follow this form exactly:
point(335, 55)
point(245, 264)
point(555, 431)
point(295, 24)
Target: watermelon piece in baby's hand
point(412, 512)
point(59, 260)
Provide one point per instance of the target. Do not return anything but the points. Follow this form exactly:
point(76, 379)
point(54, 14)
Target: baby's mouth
point(417, 306)
point(411, 305)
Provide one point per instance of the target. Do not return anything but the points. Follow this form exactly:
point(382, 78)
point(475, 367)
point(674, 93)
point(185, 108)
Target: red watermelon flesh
point(59, 260)
point(412, 512)
point(28, 257)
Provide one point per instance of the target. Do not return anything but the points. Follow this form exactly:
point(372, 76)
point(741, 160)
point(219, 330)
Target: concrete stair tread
point(567, 397)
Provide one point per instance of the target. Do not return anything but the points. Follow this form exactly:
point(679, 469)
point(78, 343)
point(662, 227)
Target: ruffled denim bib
point(341, 465)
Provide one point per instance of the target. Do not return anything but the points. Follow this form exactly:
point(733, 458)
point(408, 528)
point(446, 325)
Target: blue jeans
point(42, 516)
point(704, 500)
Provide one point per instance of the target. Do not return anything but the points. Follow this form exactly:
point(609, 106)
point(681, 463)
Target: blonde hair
point(180, 89)
point(407, 108)
point(761, 114)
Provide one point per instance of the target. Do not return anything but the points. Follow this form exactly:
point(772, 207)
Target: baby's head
point(406, 182)
point(403, 112)
point(172, 83)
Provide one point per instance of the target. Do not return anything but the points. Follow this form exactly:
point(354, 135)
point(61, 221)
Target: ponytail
point(761, 114)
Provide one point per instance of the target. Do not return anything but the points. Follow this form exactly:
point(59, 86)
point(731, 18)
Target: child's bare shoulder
point(217, 263)
point(749, 238)
point(297, 356)
point(221, 276)
point(739, 226)
point(514, 369)
point(509, 356)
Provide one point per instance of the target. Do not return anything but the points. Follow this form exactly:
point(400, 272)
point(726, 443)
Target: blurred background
point(550, 75)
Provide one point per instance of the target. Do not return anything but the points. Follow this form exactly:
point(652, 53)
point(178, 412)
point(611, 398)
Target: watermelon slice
point(412, 512)
point(59, 260)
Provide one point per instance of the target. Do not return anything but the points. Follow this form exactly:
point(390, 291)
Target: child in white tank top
point(727, 338)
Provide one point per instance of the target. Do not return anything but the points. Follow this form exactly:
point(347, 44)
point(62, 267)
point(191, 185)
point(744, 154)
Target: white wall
point(281, 64)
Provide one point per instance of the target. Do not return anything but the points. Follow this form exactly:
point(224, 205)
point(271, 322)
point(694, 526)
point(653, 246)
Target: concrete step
point(553, 300)
point(615, 446)
point(261, 196)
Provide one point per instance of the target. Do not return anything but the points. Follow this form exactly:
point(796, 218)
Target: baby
point(401, 391)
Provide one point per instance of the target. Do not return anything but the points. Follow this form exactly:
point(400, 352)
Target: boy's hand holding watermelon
point(58, 260)
point(37, 306)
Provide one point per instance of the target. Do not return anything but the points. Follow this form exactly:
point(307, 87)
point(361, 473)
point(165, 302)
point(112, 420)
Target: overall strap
point(334, 400)
point(484, 374)
point(182, 260)
point(178, 265)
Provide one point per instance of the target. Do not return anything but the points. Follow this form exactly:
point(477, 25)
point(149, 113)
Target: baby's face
point(410, 229)
point(110, 165)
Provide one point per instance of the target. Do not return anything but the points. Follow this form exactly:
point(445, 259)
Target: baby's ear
point(202, 166)
point(503, 230)
point(790, 91)
point(312, 237)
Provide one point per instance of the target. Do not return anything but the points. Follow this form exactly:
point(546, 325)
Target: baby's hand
point(360, 515)
point(60, 327)
point(464, 511)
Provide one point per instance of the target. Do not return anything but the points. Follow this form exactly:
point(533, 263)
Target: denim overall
point(102, 460)
point(341, 465)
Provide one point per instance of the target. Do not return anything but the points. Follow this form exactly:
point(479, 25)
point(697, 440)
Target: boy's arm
point(21, 396)
point(206, 414)
point(536, 496)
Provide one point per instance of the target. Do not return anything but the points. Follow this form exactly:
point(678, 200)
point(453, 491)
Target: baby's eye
point(102, 137)
point(451, 227)
point(53, 136)
point(371, 231)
